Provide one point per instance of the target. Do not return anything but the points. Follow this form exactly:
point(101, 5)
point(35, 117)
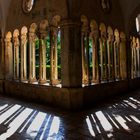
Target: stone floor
point(117, 119)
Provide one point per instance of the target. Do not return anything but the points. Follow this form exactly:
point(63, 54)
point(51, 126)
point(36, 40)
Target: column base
point(95, 81)
point(32, 80)
point(42, 81)
point(85, 82)
point(24, 80)
point(55, 82)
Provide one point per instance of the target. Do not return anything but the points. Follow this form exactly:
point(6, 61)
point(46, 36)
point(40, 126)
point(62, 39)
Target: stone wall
point(48, 8)
point(42, 9)
point(68, 98)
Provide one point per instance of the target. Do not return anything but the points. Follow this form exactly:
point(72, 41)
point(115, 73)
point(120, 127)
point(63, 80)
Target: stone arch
point(57, 8)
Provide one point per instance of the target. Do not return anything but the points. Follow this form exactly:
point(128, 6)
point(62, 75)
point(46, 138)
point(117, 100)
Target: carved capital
point(102, 29)
point(110, 34)
point(8, 39)
point(138, 42)
point(122, 37)
point(24, 31)
point(16, 37)
point(43, 28)
point(94, 29)
point(85, 24)
point(117, 35)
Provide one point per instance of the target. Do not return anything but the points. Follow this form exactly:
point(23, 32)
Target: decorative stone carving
point(117, 54)
point(32, 60)
point(103, 52)
point(42, 51)
point(110, 52)
point(8, 57)
point(94, 35)
point(85, 49)
point(53, 50)
point(16, 53)
point(23, 65)
point(27, 5)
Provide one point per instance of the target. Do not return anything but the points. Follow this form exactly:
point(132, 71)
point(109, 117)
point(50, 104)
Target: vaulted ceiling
point(129, 10)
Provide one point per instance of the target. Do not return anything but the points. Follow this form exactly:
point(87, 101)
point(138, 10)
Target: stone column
point(23, 65)
point(138, 56)
point(53, 50)
point(16, 54)
point(110, 52)
point(117, 55)
point(32, 48)
point(103, 53)
point(133, 58)
point(94, 35)
point(123, 69)
point(8, 57)
point(71, 59)
point(2, 55)
point(85, 50)
point(42, 51)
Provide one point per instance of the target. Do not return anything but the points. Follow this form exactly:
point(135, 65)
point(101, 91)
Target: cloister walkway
point(116, 119)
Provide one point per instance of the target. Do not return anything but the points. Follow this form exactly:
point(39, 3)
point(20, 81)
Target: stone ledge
point(68, 98)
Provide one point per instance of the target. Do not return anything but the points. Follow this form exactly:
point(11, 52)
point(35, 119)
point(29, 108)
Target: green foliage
point(48, 47)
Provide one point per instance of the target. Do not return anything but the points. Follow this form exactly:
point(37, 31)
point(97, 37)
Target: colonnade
point(104, 45)
point(20, 52)
point(108, 53)
point(135, 57)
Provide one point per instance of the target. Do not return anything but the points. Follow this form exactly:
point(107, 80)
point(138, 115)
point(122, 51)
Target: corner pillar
point(71, 59)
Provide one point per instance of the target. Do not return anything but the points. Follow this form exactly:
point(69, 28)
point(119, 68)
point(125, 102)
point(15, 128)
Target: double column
point(110, 53)
point(94, 35)
point(117, 55)
point(85, 50)
point(103, 53)
point(23, 53)
point(42, 51)
point(16, 54)
point(32, 48)
point(8, 57)
point(54, 30)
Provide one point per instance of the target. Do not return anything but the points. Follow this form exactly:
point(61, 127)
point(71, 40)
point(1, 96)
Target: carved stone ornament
point(105, 5)
point(27, 5)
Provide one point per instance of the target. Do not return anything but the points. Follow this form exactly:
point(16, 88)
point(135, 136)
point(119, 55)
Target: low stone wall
point(68, 98)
